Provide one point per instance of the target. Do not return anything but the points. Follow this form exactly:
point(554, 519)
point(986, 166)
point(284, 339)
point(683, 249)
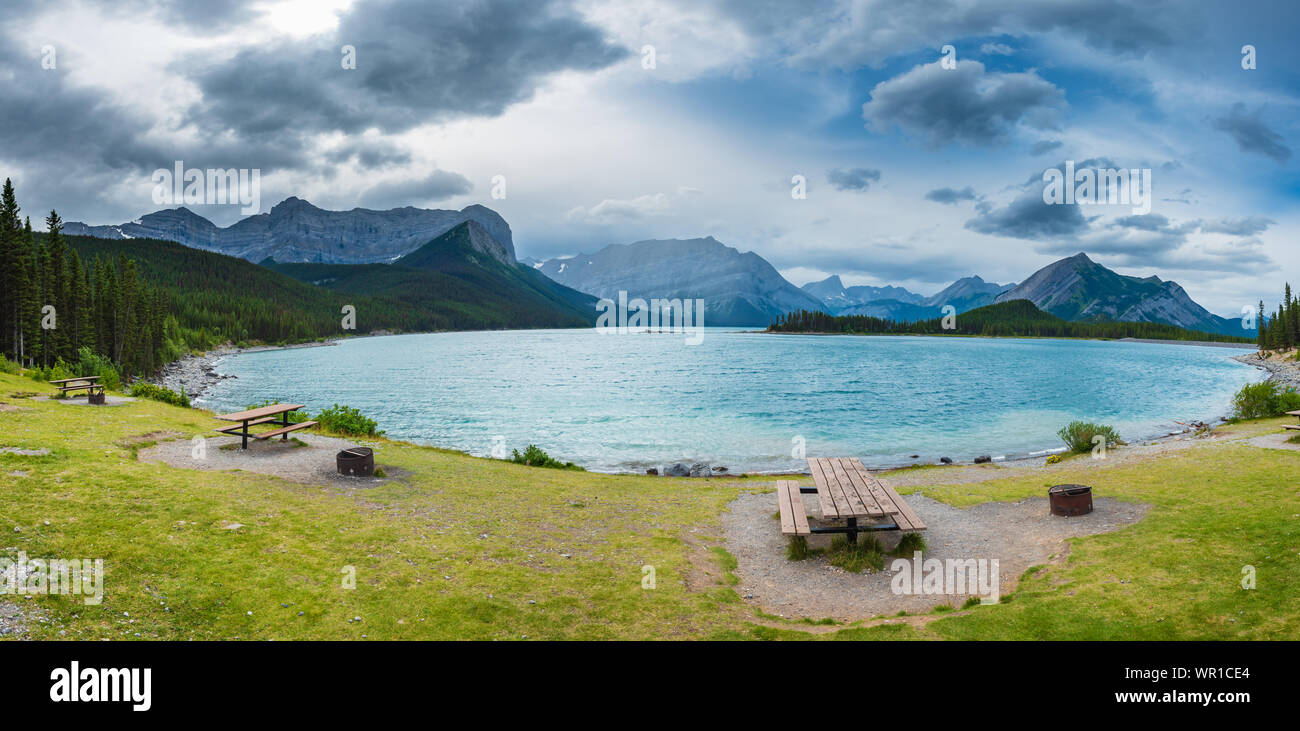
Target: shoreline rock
point(1285, 372)
point(197, 373)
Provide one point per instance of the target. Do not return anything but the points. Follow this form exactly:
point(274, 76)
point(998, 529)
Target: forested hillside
point(141, 302)
point(55, 301)
point(1019, 318)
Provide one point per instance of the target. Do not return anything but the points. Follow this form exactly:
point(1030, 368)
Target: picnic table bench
point(263, 415)
point(1292, 427)
point(89, 384)
point(845, 491)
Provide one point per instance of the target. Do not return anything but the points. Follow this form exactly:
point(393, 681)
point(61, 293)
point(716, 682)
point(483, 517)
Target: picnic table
point(89, 384)
point(845, 491)
point(263, 415)
point(1292, 427)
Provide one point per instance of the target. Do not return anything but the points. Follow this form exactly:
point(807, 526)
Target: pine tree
point(1261, 328)
point(56, 293)
point(12, 286)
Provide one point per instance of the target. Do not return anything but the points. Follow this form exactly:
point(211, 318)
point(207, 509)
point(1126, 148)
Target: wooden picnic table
point(1288, 426)
point(845, 491)
point(89, 384)
point(263, 415)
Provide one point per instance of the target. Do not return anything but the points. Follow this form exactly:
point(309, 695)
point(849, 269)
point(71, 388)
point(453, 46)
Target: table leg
point(853, 531)
point(284, 421)
point(244, 434)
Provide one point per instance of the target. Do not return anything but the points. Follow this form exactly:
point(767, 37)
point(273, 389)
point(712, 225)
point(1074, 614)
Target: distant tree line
point(1016, 318)
point(53, 304)
point(1282, 330)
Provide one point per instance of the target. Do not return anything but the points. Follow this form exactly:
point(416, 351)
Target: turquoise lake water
point(624, 402)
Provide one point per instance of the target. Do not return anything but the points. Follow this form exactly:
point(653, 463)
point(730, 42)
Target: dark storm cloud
point(368, 154)
point(950, 196)
point(964, 104)
point(1252, 135)
point(854, 33)
point(859, 179)
point(1028, 217)
point(196, 14)
point(416, 62)
point(437, 186)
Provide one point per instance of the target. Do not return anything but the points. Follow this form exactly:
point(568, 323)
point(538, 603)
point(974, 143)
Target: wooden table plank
point(259, 412)
point(786, 507)
point(830, 502)
point(70, 380)
point(875, 487)
point(857, 505)
point(905, 511)
point(863, 486)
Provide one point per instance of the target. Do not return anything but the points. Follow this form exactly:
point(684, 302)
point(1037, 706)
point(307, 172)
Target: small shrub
point(973, 601)
point(91, 364)
point(533, 456)
point(1078, 435)
point(1055, 458)
point(144, 389)
point(910, 543)
point(348, 420)
point(9, 367)
point(379, 472)
point(1264, 399)
point(797, 549)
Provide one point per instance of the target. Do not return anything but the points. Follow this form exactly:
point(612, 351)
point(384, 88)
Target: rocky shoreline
point(196, 373)
point(1281, 368)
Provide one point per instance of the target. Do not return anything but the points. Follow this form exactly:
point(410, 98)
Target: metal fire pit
point(1070, 500)
point(356, 461)
point(96, 398)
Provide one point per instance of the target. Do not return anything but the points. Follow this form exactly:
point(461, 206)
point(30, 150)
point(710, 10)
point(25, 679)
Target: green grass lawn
point(462, 547)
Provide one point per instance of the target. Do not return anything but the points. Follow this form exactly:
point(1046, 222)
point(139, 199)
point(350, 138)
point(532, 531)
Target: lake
point(744, 400)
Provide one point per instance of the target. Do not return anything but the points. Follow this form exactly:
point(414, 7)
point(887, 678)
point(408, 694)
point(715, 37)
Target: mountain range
point(1079, 289)
point(738, 288)
point(474, 247)
point(297, 231)
point(464, 275)
point(898, 303)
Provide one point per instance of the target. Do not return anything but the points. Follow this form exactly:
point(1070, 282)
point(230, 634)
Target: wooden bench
point(794, 518)
point(284, 430)
point(1291, 426)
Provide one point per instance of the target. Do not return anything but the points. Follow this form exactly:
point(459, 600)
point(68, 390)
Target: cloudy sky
point(917, 171)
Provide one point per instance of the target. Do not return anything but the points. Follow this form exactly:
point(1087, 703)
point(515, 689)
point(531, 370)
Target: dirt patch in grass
point(25, 452)
point(1019, 535)
point(151, 438)
point(310, 461)
point(11, 407)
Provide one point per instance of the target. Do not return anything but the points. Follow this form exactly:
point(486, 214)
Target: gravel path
point(1275, 441)
point(1018, 535)
point(109, 400)
point(311, 464)
point(12, 623)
